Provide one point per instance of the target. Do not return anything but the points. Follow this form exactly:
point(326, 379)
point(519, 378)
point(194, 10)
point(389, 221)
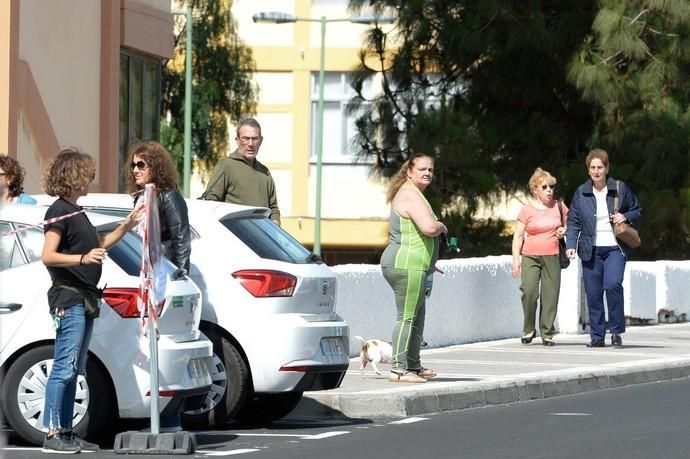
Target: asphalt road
point(643, 421)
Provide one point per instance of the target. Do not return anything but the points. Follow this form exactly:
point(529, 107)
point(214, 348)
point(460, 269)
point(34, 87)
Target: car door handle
point(9, 307)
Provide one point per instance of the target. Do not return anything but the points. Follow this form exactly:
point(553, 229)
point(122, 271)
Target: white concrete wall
point(478, 300)
point(640, 290)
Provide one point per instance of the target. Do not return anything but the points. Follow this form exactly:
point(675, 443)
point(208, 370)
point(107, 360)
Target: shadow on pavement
point(219, 440)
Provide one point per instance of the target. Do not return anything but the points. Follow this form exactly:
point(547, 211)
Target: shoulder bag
point(624, 232)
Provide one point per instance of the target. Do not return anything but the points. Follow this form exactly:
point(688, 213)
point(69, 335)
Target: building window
point(339, 128)
point(140, 89)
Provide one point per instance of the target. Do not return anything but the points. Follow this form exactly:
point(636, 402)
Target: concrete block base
point(172, 443)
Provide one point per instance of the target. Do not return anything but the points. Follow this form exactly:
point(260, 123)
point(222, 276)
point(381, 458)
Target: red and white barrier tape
point(43, 223)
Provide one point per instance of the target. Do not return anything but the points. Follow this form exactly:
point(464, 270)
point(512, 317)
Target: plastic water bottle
point(453, 245)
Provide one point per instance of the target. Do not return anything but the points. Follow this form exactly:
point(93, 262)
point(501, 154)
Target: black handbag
point(562, 257)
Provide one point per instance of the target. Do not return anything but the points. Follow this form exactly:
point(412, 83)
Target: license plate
point(197, 368)
point(332, 346)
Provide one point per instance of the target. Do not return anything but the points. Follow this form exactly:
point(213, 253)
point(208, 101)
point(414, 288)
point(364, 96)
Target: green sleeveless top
point(408, 247)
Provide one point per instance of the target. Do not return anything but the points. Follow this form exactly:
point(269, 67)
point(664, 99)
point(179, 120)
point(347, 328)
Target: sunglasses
point(141, 165)
point(553, 187)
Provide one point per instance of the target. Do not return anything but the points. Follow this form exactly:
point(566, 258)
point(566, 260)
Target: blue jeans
point(603, 275)
point(72, 337)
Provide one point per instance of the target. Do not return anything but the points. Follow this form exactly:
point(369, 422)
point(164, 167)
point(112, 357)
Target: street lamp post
point(187, 159)
point(275, 17)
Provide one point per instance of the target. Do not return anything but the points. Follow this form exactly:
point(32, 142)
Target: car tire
point(266, 408)
point(230, 386)
point(23, 405)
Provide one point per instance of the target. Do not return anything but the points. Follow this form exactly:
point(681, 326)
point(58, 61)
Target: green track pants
point(410, 302)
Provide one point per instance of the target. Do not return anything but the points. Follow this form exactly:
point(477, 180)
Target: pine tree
point(482, 87)
point(497, 88)
point(634, 68)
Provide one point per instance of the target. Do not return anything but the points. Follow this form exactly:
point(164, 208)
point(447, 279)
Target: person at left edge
point(150, 162)
point(73, 253)
point(12, 181)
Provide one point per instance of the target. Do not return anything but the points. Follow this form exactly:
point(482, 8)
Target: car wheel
point(229, 388)
point(266, 408)
point(23, 397)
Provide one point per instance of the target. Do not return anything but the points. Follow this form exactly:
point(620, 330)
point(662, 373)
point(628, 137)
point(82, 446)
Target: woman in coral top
point(538, 229)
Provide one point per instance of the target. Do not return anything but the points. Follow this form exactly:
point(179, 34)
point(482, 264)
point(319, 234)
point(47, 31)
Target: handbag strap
point(615, 198)
point(560, 210)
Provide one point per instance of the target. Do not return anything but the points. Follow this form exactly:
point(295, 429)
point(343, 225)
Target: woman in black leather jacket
point(150, 162)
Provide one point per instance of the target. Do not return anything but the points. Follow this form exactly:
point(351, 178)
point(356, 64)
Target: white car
point(268, 307)
point(117, 379)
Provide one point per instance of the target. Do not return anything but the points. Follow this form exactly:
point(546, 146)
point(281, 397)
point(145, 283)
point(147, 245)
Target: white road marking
point(300, 436)
point(569, 414)
point(227, 453)
point(408, 420)
point(325, 435)
point(251, 434)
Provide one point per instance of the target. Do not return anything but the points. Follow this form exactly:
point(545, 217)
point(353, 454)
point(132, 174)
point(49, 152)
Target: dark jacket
point(175, 232)
point(582, 216)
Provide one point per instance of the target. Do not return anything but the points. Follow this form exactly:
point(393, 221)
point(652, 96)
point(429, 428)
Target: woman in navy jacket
point(590, 233)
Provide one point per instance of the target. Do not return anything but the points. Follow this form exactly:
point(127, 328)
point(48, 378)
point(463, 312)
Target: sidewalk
point(505, 371)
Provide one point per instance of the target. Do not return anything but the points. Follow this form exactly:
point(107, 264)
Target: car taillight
point(265, 283)
point(124, 302)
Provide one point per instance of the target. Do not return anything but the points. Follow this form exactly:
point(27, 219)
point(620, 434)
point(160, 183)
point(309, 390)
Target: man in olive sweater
point(240, 178)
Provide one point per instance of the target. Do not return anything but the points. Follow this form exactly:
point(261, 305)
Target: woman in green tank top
point(408, 261)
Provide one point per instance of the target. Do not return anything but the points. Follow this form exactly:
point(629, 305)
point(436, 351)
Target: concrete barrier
point(476, 299)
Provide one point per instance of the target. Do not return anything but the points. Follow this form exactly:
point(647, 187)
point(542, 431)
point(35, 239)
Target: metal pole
point(188, 105)
point(153, 347)
point(319, 142)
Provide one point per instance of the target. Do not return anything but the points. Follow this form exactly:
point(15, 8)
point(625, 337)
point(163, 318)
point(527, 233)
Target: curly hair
point(162, 172)
point(399, 179)
point(68, 173)
point(15, 174)
point(540, 177)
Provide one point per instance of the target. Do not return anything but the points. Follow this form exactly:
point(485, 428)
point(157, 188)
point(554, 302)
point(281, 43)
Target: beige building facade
point(82, 73)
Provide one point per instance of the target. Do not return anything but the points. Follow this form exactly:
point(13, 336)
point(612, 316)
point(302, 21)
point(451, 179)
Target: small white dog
point(374, 351)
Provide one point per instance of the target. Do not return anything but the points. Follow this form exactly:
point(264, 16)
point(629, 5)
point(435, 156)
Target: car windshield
point(268, 240)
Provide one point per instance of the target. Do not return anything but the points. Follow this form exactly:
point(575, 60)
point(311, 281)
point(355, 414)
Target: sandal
point(426, 373)
point(407, 377)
